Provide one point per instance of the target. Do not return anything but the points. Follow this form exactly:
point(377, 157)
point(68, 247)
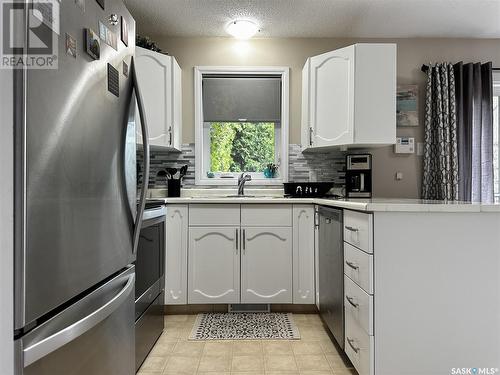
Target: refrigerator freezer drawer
point(93, 336)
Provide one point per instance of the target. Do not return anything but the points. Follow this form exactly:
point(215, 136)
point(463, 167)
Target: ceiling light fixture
point(242, 29)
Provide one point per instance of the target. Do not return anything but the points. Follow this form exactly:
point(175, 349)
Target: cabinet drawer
point(358, 230)
point(358, 305)
point(358, 265)
point(359, 347)
point(259, 215)
point(214, 214)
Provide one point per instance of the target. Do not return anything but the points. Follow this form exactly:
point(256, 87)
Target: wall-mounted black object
point(358, 176)
point(113, 81)
point(307, 189)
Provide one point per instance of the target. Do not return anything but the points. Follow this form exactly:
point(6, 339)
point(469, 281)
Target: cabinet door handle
point(244, 241)
point(350, 342)
point(352, 265)
point(237, 240)
point(170, 136)
point(351, 301)
point(352, 229)
point(310, 136)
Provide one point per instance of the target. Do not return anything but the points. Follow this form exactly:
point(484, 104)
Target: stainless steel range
point(150, 281)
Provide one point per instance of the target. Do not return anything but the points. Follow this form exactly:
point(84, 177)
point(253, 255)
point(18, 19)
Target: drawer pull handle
point(351, 301)
point(350, 341)
point(352, 229)
point(352, 265)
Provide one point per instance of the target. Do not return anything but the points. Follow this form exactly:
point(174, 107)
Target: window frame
point(200, 142)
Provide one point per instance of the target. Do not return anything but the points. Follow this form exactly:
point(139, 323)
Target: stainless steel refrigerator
point(76, 211)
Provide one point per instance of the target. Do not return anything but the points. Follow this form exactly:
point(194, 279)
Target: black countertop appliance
point(358, 176)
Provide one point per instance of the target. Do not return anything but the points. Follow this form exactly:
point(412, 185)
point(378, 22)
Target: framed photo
point(124, 33)
point(92, 44)
point(407, 105)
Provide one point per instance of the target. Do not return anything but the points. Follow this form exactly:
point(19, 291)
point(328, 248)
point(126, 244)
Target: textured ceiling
point(321, 18)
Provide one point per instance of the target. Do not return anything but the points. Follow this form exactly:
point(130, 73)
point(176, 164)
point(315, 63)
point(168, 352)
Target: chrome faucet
point(241, 183)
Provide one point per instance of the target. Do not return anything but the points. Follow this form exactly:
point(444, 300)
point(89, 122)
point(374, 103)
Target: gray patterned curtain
point(440, 179)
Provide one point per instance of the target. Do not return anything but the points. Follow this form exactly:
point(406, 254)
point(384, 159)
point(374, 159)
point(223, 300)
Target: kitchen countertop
point(372, 205)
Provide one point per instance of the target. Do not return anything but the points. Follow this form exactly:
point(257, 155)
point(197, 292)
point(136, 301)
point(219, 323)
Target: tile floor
point(313, 354)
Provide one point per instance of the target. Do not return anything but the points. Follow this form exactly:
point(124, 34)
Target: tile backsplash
point(324, 166)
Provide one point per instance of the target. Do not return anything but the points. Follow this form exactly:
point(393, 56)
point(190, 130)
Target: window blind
point(241, 99)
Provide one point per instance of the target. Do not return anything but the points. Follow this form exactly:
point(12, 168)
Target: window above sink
point(241, 117)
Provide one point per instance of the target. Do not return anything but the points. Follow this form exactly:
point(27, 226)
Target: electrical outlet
point(399, 176)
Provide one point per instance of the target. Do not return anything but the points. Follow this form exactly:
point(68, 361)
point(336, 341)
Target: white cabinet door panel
point(332, 97)
point(266, 265)
point(303, 254)
point(214, 265)
point(153, 73)
point(176, 255)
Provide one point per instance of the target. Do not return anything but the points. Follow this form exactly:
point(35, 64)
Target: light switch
point(399, 176)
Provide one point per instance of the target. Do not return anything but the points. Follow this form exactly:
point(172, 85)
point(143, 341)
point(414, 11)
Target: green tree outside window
point(241, 146)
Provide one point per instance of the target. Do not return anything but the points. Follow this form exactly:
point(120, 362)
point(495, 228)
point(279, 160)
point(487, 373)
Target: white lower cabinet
point(359, 346)
point(214, 265)
point(303, 254)
point(176, 255)
point(359, 292)
point(266, 265)
point(232, 253)
point(358, 305)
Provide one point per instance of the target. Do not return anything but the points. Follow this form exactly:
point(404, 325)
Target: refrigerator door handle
point(145, 143)
point(50, 344)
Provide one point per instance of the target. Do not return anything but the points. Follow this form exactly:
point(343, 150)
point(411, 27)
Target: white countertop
point(374, 205)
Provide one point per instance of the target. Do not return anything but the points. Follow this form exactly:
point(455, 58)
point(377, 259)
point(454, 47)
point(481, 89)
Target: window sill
point(234, 182)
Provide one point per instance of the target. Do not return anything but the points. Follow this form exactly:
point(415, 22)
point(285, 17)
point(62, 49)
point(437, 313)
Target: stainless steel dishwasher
point(331, 271)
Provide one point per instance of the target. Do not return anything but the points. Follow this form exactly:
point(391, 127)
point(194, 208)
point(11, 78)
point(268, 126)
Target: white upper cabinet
point(349, 97)
point(266, 265)
point(159, 78)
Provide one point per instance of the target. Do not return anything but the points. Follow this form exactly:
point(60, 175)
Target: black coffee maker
point(358, 176)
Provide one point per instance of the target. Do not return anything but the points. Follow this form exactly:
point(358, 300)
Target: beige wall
point(292, 52)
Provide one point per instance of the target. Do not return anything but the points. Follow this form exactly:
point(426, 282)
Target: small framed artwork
point(70, 46)
point(124, 33)
point(125, 69)
point(92, 44)
point(407, 105)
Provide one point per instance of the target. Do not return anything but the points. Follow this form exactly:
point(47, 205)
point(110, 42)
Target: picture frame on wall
point(124, 31)
point(407, 105)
